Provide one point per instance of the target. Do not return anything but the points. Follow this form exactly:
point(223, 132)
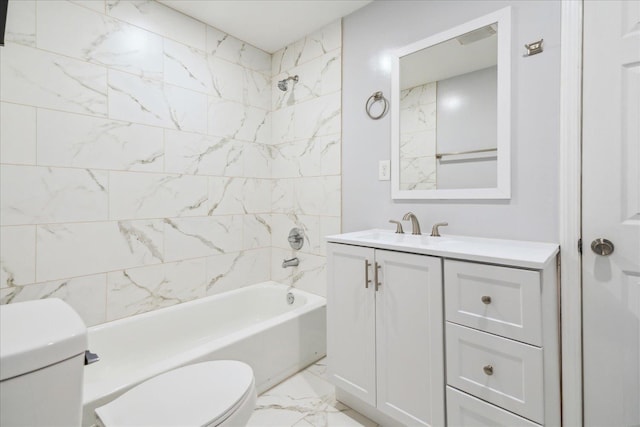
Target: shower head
point(283, 85)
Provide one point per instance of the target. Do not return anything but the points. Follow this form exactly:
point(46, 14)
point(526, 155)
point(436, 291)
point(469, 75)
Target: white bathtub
point(252, 324)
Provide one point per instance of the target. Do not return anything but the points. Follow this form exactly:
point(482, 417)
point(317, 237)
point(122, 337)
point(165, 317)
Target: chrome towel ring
point(376, 97)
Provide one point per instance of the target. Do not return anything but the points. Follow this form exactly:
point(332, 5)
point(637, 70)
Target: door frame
point(570, 211)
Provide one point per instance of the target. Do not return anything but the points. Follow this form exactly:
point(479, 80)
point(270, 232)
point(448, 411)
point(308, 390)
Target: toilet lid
point(195, 395)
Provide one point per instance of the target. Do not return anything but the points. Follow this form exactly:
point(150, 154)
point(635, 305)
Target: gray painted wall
point(378, 29)
point(472, 125)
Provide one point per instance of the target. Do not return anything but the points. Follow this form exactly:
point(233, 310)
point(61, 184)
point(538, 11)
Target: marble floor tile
point(304, 400)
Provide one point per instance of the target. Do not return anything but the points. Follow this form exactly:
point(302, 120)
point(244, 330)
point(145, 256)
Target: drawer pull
point(486, 299)
point(488, 370)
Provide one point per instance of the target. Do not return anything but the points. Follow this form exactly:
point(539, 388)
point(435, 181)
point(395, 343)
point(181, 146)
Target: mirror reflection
point(448, 113)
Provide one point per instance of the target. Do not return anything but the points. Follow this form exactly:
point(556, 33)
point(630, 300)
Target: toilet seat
point(203, 394)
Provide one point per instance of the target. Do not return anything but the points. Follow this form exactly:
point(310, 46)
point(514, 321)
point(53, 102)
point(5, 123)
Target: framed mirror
point(451, 113)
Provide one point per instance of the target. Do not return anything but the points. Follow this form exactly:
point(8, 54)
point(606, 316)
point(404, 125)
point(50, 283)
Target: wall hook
point(533, 48)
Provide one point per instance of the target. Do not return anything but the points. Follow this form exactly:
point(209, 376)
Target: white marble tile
point(17, 256)
point(257, 160)
point(35, 77)
point(318, 196)
point(75, 31)
point(151, 102)
point(306, 399)
point(329, 225)
point(256, 195)
point(330, 154)
point(320, 116)
point(54, 195)
point(21, 23)
point(419, 95)
point(17, 134)
point(418, 144)
point(278, 273)
point(97, 5)
point(187, 67)
point(301, 396)
point(418, 118)
point(138, 290)
point(227, 79)
point(319, 369)
point(66, 139)
point(310, 195)
point(160, 19)
point(199, 154)
point(320, 42)
point(283, 223)
point(318, 77)
point(285, 59)
point(418, 173)
point(226, 196)
point(307, 157)
point(283, 124)
point(145, 195)
point(310, 275)
point(69, 250)
point(86, 295)
point(257, 231)
point(332, 196)
point(202, 236)
point(257, 89)
point(282, 196)
point(232, 271)
point(224, 46)
point(234, 120)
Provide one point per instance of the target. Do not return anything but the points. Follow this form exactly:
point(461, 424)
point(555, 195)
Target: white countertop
point(534, 255)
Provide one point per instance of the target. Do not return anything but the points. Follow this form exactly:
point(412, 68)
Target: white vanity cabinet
point(385, 331)
point(456, 331)
point(501, 344)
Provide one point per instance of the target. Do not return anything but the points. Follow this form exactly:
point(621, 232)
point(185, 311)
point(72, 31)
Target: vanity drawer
point(464, 410)
point(501, 300)
point(501, 371)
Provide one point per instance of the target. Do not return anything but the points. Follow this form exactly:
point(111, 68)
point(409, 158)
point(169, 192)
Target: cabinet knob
point(486, 299)
point(488, 370)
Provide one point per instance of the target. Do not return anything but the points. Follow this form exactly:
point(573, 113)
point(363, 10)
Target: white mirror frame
point(503, 188)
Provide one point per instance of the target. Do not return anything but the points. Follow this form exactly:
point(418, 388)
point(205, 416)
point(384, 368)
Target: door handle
point(375, 275)
point(602, 247)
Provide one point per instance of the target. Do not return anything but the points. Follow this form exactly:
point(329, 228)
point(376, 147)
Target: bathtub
point(254, 324)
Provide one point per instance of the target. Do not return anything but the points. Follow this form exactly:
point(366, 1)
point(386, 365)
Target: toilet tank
point(42, 345)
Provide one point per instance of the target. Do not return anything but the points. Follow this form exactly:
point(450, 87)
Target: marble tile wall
point(306, 146)
point(418, 137)
point(139, 166)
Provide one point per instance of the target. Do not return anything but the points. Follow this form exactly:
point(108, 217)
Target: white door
point(351, 321)
point(611, 210)
point(410, 348)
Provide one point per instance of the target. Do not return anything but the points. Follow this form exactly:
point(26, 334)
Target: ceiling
point(267, 24)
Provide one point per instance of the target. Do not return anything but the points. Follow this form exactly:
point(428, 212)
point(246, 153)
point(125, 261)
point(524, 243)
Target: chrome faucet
point(415, 225)
point(293, 262)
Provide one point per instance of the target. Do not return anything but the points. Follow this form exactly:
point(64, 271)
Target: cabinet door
point(351, 360)
point(409, 322)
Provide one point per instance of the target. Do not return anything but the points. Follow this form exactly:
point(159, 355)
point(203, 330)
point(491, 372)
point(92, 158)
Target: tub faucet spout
point(293, 262)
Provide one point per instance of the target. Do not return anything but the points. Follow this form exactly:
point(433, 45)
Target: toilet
point(42, 356)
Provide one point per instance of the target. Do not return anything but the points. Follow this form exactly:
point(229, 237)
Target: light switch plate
point(384, 170)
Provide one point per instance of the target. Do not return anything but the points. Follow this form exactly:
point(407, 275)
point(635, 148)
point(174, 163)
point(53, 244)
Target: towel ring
point(376, 97)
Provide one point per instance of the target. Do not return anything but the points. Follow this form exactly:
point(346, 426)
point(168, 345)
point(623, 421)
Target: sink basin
point(406, 239)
